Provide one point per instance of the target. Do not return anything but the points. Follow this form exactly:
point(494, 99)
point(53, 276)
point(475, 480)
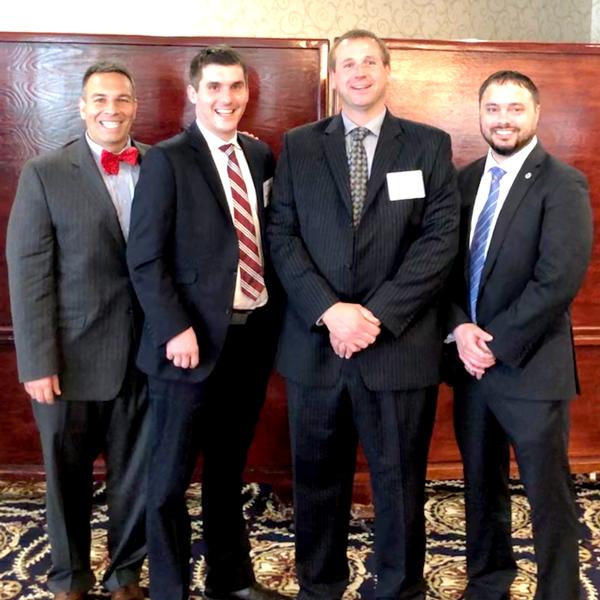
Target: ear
point(192, 94)
point(332, 78)
point(82, 108)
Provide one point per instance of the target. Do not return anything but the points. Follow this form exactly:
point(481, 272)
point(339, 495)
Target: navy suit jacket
point(183, 250)
point(394, 263)
point(536, 261)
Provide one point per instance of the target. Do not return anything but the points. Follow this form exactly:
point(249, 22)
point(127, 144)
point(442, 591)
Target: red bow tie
point(110, 161)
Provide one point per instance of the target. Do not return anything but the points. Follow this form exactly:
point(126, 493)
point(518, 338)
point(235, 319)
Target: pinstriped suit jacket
point(72, 303)
point(395, 263)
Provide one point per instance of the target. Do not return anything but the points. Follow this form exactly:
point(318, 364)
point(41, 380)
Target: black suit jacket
point(537, 258)
point(395, 263)
point(183, 249)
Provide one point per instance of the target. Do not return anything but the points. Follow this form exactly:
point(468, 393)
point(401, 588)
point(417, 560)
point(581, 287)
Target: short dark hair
point(107, 67)
point(214, 55)
point(357, 34)
point(502, 77)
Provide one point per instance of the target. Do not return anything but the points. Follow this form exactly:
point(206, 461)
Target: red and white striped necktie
point(251, 268)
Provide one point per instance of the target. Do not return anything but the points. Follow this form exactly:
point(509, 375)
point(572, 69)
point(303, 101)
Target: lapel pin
point(527, 175)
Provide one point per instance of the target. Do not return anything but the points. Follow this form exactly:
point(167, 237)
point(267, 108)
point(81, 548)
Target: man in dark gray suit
point(74, 316)
point(526, 240)
point(363, 230)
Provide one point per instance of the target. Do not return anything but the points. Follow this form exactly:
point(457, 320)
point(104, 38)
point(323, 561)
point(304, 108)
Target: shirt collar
point(513, 163)
point(374, 125)
point(214, 141)
point(97, 148)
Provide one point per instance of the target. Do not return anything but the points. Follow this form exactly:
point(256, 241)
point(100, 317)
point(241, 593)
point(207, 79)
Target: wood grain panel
point(438, 83)
point(40, 83)
point(434, 82)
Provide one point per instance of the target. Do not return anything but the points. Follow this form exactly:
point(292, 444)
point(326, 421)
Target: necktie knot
point(110, 161)
point(227, 148)
point(358, 134)
point(497, 174)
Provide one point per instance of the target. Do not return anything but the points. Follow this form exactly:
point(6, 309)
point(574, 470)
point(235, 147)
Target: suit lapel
point(334, 145)
point(255, 165)
point(390, 139)
point(523, 182)
point(208, 169)
point(257, 170)
point(95, 187)
point(468, 191)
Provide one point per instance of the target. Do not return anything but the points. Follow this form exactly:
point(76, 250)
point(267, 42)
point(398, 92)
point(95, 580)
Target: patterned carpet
point(24, 552)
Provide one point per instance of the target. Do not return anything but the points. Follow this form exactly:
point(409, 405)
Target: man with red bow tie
point(75, 327)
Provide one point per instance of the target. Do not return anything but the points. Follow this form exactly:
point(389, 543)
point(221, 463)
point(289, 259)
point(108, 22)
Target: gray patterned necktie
point(359, 172)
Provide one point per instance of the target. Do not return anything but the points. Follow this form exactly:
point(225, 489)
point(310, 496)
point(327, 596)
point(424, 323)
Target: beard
point(508, 150)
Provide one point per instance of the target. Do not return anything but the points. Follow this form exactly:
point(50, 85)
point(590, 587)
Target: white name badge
point(267, 188)
point(403, 185)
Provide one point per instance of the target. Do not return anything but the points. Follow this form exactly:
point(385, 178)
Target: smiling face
point(220, 99)
point(508, 118)
point(360, 78)
point(108, 107)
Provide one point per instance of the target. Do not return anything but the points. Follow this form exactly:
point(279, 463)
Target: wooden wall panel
point(438, 83)
point(434, 82)
point(40, 81)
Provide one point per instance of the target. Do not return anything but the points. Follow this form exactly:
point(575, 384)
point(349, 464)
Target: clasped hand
point(471, 342)
point(352, 328)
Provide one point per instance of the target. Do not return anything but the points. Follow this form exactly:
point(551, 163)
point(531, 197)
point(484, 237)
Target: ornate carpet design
point(25, 555)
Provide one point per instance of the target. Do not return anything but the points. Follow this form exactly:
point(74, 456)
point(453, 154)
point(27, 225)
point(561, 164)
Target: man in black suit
point(200, 268)
point(363, 230)
point(74, 318)
point(525, 246)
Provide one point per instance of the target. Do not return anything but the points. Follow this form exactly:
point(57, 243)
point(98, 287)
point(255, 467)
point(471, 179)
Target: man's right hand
point(471, 342)
point(43, 390)
point(183, 350)
point(352, 325)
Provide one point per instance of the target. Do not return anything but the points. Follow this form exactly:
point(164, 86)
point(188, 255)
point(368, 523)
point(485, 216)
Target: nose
point(503, 115)
point(225, 95)
point(110, 107)
point(361, 69)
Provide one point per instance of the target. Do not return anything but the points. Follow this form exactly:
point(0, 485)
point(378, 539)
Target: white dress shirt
point(240, 300)
point(512, 165)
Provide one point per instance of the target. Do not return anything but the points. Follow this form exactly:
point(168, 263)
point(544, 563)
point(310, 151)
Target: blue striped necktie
point(480, 237)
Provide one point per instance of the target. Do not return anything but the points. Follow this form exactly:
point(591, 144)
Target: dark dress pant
point(73, 435)
point(217, 418)
point(394, 429)
point(486, 425)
